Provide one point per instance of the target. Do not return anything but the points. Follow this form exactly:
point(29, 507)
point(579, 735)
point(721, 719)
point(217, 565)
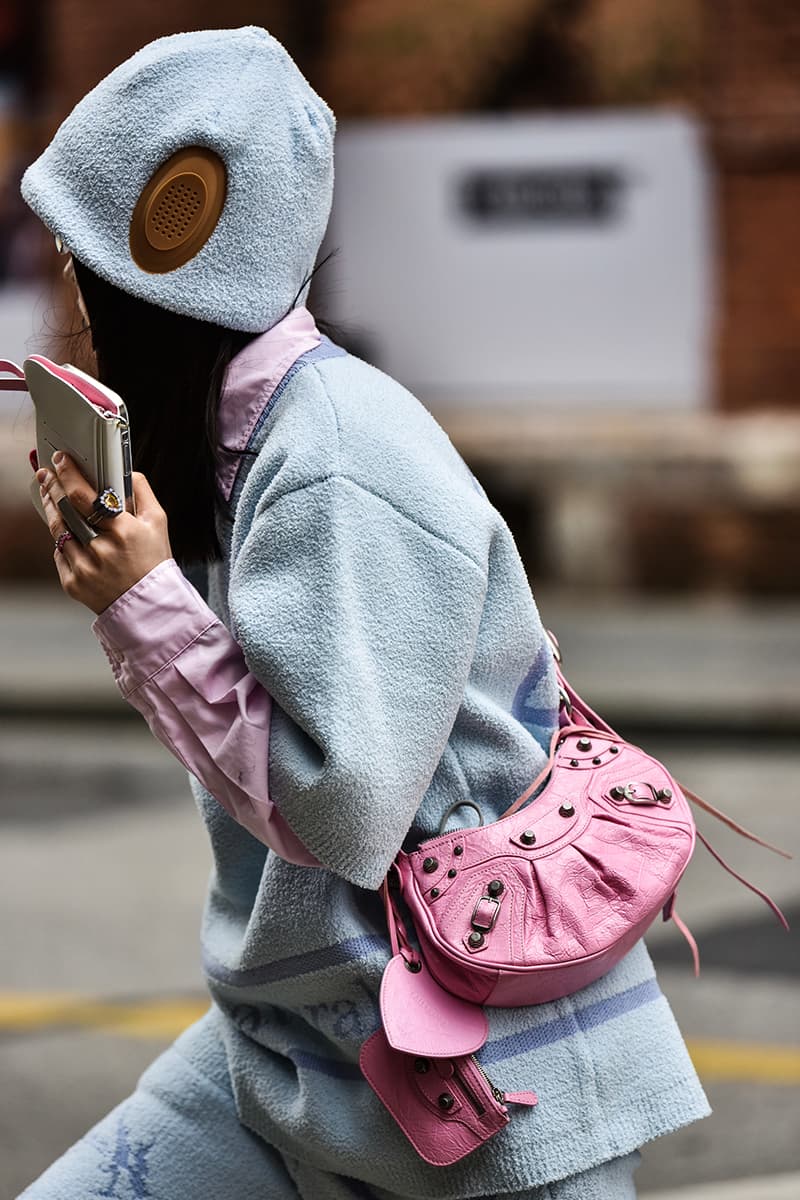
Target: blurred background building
point(629, 172)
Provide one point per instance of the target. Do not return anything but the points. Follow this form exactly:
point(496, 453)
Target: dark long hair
point(169, 370)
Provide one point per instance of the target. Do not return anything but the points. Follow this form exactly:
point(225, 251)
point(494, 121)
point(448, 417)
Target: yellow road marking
point(164, 1019)
point(753, 1062)
point(22, 1012)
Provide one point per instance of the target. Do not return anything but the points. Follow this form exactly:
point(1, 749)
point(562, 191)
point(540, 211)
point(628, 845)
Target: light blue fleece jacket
point(381, 601)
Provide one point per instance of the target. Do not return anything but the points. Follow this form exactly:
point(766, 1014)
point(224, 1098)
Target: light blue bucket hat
point(237, 93)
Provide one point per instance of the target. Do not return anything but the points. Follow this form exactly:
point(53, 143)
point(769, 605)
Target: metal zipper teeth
point(498, 1095)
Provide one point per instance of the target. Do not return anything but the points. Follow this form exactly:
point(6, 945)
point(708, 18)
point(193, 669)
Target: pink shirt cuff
point(176, 663)
point(151, 624)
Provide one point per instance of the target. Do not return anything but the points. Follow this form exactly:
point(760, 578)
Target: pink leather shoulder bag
point(527, 909)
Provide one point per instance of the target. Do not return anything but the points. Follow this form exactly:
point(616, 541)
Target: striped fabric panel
point(351, 950)
point(499, 1049)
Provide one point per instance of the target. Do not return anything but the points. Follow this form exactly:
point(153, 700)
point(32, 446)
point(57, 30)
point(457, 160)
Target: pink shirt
point(176, 662)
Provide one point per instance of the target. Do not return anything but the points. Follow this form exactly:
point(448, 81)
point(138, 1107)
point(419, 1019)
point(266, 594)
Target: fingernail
point(58, 457)
point(41, 475)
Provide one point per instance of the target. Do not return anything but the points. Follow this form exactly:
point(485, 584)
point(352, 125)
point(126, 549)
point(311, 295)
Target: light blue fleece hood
point(238, 93)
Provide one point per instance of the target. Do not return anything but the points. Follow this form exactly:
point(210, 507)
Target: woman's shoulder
point(343, 418)
point(358, 410)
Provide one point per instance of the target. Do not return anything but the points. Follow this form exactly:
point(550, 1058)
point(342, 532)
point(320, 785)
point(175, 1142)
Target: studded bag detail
point(534, 906)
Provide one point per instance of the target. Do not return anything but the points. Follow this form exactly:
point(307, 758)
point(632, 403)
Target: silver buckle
point(486, 928)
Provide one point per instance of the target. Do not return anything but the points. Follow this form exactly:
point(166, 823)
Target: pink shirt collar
point(251, 380)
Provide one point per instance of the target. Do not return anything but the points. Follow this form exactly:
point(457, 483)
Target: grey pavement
point(681, 665)
point(771, 1187)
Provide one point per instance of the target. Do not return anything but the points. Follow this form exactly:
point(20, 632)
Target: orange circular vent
point(178, 210)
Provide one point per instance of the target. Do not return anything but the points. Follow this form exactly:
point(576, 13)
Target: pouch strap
point(579, 711)
point(574, 710)
point(398, 936)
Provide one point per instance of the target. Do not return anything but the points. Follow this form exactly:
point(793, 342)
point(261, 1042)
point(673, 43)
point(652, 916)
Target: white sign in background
point(540, 261)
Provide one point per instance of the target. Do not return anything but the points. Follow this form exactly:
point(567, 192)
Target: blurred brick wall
point(85, 39)
point(752, 105)
point(738, 61)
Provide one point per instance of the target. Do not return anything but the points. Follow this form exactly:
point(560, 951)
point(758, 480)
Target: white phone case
point(86, 420)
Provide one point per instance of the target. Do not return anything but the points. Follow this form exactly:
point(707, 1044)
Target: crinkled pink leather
point(420, 1017)
point(411, 1088)
point(601, 866)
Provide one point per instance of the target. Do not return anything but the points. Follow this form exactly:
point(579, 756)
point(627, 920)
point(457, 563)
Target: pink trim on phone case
point(88, 391)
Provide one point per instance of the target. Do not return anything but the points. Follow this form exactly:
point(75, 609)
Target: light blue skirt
point(179, 1136)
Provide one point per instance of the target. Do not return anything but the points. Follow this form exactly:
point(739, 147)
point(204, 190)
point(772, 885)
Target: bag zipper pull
point(506, 1097)
point(520, 1097)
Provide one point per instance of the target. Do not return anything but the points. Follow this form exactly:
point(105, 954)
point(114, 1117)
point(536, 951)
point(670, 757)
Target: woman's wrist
point(150, 624)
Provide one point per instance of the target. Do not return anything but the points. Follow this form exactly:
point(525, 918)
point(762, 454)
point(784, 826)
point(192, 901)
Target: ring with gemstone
point(107, 504)
point(63, 538)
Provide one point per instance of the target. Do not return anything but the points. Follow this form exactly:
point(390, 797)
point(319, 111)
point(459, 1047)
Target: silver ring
point(62, 540)
point(75, 522)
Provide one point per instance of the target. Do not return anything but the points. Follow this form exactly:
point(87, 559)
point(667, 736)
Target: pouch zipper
point(502, 1099)
point(498, 1095)
point(476, 1105)
point(474, 1100)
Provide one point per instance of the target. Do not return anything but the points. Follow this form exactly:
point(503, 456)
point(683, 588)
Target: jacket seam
point(329, 398)
point(332, 476)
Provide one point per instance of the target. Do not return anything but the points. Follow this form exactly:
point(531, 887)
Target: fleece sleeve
point(362, 626)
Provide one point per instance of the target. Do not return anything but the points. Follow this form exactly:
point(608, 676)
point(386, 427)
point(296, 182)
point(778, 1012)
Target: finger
point(74, 484)
point(144, 495)
point(66, 548)
point(66, 554)
point(51, 492)
point(65, 568)
point(54, 503)
point(81, 497)
point(62, 567)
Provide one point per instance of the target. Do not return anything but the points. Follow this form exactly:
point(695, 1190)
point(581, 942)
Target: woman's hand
point(125, 549)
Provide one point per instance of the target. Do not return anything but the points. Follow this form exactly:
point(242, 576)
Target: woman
point(367, 652)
